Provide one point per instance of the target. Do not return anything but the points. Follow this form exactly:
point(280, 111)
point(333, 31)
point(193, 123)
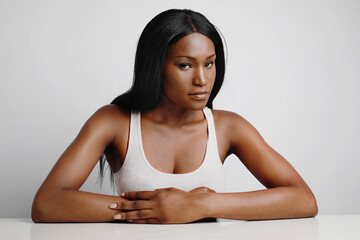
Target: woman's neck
point(174, 115)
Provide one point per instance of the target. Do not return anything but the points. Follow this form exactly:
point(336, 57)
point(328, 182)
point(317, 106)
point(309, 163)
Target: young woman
point(166, 146)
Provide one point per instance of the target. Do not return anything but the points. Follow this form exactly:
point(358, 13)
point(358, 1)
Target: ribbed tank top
point(137, 174)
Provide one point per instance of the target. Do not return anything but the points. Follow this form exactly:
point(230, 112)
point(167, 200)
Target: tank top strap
point(212, 132)
point(133, 132)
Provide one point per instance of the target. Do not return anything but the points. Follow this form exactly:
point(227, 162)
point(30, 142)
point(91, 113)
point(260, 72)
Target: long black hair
point(161, 33)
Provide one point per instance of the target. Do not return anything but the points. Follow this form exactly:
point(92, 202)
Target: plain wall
point(293, 71)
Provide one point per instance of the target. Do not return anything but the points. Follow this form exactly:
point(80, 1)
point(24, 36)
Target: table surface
point(342, 227)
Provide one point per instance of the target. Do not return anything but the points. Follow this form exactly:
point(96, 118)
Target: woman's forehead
point(193, 45)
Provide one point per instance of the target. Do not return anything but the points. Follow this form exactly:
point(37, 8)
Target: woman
point(166, 147)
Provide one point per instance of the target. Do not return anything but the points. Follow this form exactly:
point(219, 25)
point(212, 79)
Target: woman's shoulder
point(232, 124)
point(112, 111)
point(227, 117)
point(109, 117)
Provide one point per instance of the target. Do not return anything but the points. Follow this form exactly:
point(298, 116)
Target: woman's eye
point(184, 65)
point(209, 64)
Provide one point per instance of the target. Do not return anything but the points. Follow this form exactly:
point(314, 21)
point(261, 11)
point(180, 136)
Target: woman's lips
point(199, 95)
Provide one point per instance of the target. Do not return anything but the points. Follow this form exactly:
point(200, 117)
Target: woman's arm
point(286, 196)
point(273, 203)
point(59, 199)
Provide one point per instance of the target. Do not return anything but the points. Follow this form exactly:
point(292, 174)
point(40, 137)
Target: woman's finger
point(139, 195)
point(143, 221)
point(152, 220)
point(133, 215)
point(138, 221)
point(132, 205)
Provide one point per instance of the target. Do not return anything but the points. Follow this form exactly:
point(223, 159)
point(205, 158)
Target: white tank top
point(137, 174)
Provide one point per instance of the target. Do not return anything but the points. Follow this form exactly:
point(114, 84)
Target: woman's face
point(189, 72)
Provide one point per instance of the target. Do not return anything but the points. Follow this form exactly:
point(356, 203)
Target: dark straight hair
point(160, 34)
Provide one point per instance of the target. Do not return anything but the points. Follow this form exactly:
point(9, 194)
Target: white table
point(340, 227)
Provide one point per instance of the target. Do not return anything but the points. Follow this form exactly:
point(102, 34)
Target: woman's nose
point(199, 77)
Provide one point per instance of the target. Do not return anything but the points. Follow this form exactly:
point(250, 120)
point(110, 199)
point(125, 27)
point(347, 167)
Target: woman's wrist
point(204, 205)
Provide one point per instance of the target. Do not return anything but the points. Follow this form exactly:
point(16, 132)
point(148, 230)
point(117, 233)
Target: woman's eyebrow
point(192, 58)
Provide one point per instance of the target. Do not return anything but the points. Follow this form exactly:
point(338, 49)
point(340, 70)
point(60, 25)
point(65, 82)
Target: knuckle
point(163, 220)
point(162, 194)
point(142, 214)
point(130, 215)
point(158, 192)
point(161, 189)
point(211, 190)
point(205, 189)
point(152, 221)
point(200, 189)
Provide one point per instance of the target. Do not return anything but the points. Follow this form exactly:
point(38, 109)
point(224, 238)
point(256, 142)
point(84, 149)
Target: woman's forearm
point(274, 203)
point(69, 205)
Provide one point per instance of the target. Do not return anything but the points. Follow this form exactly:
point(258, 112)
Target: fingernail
point(114, 205)
point(130, 221)
point(117, 217)
point(122, 194)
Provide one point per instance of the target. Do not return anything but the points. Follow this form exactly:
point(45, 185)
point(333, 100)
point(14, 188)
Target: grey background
point(293, 71)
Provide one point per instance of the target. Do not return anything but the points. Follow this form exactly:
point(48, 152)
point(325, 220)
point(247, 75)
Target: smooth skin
point(189, 77)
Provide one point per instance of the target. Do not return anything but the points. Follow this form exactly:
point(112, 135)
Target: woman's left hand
point(168, 205)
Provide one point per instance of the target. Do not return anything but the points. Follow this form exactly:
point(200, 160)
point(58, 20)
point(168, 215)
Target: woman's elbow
point(310, 206)
point(35, 216)
point(36, 211)
point(314, 207)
